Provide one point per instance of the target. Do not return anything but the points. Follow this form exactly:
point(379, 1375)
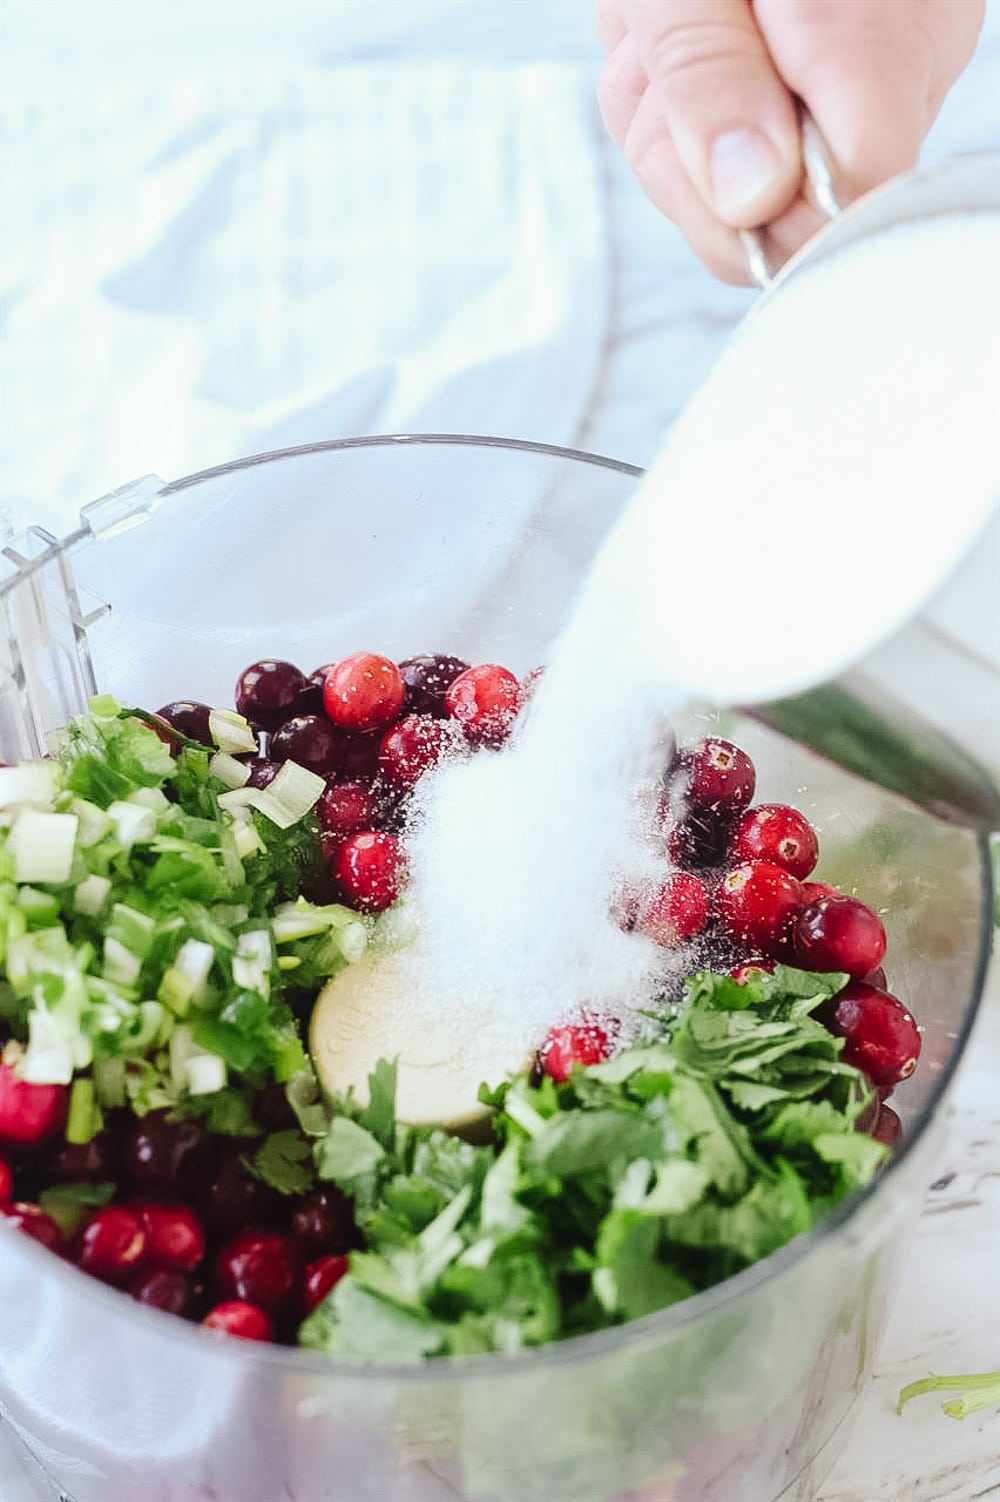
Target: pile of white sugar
point(839, 459)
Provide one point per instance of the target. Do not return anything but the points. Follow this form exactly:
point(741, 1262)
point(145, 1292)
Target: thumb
point(732, 121)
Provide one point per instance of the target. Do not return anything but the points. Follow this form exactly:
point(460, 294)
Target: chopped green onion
point(133, 823)
point(252, 961)
point(231, 731)
point(979, 1390)
point(206, 1074)
point(109, 1082)
point(296, 788)
point(30, 782)
point(84, 1119)
point(91, 894)
point(235, 774)
point(120, 964)
point(42, 845)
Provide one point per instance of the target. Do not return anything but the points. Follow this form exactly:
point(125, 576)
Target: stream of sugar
point(838, 461)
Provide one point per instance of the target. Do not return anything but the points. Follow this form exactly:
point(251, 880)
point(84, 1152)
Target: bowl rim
point(295, 1361)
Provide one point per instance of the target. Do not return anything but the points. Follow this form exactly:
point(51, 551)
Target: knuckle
point(693, 52)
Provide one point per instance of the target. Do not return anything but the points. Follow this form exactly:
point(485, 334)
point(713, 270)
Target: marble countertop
point(946, 1318)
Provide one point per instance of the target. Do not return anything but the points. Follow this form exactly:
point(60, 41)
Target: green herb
point(637, 1182)
point(284, 1161)
point(979, 1390)
point(70, 1204)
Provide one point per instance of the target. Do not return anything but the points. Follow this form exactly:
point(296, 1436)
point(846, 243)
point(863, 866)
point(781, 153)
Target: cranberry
point(263, 771)
point(87, 1162)
point(779, 834)
point(346, 808)
point(190, 718)
point(311, 741)
point(880, 1036)
point(6, 1181)
point(719, 776)
point(410, 747)
point(321, 1277)
point(484, 700)
point(160, 1288)
point(426, 680)
point(752, 970)
point(369, 868)
point(258, 1267)
point(888, 1128)
point(112, 1245)
point(677, 911)
point(323, 1221)
point(811, 890)
point(233, 1198)
point(698, 841)
point(839, 933)
point(267, 692)
point(34, 1222)
point(363, 692)
point(359, 757)
point(272, 1109)
point(758, 903)
point(174, 1236)
point(29, 1113)
point(566, 1047)
point(164, 1156)
point(242, 1320)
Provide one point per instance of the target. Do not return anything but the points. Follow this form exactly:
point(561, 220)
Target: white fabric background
point(229, 225)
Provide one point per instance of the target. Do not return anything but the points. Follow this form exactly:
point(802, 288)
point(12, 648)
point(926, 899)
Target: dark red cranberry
point(888, 1128)
point(190, 718)
point(267, 692)
point(676, 912)
point(33, 1222)
point(752, 970)
point(757, 904)
point(29, 1113)
point(699, 841)
point(263, 771)
point(426, 680)
point(320, 1279)
point(839, 933)
point(272, 1109)
point(309, 740)
point(868, 1119)
point(719, 777)
point(346, 808)
point(259, 1267)
point(359, 757)
point(112, 1246)
point(323, 1222)
point(233, 1198)
point(811, 890)
point(880, 1035)
point(174, 1236)
point(167, 1157)
point(410, 747)
point(96, 1161)
point(369, 868)
point(574, 1044)
point(239, 1319)
point(779, 834)
point(6, 1181)
point(484, 700)
point(363, 692)
point(160, 1288)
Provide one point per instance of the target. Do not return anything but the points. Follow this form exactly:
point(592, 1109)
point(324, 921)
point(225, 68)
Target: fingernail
point(745, 164)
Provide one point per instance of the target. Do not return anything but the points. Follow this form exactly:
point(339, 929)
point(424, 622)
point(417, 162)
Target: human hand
point(700, 96)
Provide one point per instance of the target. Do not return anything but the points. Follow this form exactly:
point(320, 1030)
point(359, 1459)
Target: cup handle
point(821, 187)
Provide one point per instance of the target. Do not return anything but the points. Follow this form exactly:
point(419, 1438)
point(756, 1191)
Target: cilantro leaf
point(284, 1161)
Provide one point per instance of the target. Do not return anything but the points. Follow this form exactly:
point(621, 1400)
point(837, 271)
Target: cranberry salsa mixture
point(177, 888)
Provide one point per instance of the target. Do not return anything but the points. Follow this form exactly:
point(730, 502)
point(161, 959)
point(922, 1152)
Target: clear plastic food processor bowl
point(741, 1394)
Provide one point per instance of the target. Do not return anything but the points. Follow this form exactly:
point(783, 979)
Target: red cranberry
point(426, 680)
point(6, 1181)
point(779, 834)
point(174, 1236)
point(29, 1113)
point(112, 1245)
point(92, 1162)
point(258, 1267)
point(166, 1157)
point(369, 868)
point(363, 692)
point(263, 771)
point(839, 933)
point(812, 890)
point(677, 911)
point(245, 1321)
point(484, 700)
point(190, 718)
point(233, 1198)
point(359, 757)
point(160, 1288)
point(719, 776)
point(323, 1221)
point(311, 741)
point(33, 1222)
point(267, 692)
point(698, 841)
point(566, 1047)
point(346, 808)
point(752, 970)
point(758, 903)
point(321, 1277)
point(880, 1036)
point(888, 1128)
point(410, 747)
